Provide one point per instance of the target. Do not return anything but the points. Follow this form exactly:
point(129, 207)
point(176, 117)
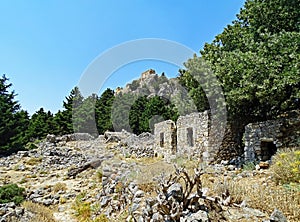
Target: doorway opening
point(268, 149)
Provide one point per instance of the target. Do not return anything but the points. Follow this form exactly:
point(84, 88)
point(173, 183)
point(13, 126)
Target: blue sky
point(45, 46)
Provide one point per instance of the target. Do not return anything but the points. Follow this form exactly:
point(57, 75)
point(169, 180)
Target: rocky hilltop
point(110, 178)
point(151, 84)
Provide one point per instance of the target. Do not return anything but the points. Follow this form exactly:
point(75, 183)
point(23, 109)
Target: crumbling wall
point(165, 137)
point(260, 138)
point(192, 134)
point(258, 133)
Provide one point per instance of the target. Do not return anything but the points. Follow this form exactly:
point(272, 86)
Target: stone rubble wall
point(284, 132)
point(255, 132)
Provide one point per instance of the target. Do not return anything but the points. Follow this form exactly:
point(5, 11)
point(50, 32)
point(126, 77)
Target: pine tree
point(157, 109)
point(135, 114)
point(13, 121)
point(84, 116)
point(41, 124)
point(103, 111)
point(64, 119)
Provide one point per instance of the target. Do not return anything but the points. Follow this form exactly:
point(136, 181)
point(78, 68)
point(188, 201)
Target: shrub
point(101, 218)
point(34, 161)
point(82, 209)
point(59, 187)
point(99, 175)
point(41, 213)
point(11, 193)
point(249, 166)
point(32, 145)
point(286, 167)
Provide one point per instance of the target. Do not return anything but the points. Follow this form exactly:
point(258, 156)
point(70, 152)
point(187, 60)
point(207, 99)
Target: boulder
point(277, 216)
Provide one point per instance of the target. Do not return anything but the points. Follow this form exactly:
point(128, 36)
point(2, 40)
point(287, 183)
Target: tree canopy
point(13, 120)
point(256, 59)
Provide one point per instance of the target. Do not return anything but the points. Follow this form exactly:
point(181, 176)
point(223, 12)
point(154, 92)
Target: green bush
point(286, 167)
point(248, 166)
point(11, 193)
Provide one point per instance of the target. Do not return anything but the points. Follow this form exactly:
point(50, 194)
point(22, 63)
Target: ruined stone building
point(264, 139)
point(188, 136)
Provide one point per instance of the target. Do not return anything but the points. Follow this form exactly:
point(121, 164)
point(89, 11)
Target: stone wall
point(192, 134)
point(257, 134)
point(165, 137)
point(263, 139)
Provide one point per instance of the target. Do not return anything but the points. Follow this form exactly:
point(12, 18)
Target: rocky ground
point(117, 181)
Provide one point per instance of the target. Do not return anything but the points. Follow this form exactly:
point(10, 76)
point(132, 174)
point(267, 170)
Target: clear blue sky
point(45, 46)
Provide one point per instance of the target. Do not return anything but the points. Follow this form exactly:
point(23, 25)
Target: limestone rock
point(277, 216)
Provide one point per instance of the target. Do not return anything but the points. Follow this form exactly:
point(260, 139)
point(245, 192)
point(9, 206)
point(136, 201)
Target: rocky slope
point(65, 174)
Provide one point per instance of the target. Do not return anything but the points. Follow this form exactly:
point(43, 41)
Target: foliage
point(11, 193)
point(41, 123)
point(286, 167)
point(135, 114)
point(120, 111)
point(160, 108)
point(101, 218)
point(103, 110)
point(194, 88)
point(144, 113)
point(249, 166)
point(64, 118)
point(83, 117)
point(13, 121)
point(256, 59)
point(84, 210)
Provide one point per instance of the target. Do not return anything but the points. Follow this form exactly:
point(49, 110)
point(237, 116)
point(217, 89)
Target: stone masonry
point(165, 137)
point(192, 134)
point(189, 136)
point(263, 139)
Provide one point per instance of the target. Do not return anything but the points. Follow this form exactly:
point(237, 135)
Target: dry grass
point(143, 160)
point(150, 171)
point(59, 187)
point(34, 161)
point(149, 188)
point(84, 210)
point(41, 213)
point(258, 192)
point(188, 164)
